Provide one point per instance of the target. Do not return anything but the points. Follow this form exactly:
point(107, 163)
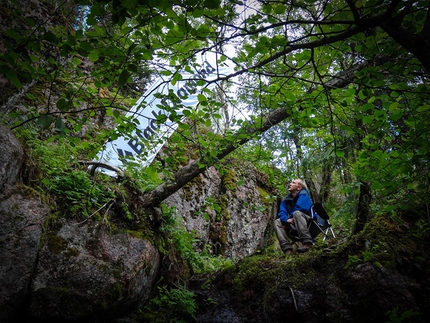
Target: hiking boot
point(305, 247)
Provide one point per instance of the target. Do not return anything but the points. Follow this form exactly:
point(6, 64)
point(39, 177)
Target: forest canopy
point(335, 92)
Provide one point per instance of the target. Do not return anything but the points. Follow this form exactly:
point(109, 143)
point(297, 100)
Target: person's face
point(293, 186)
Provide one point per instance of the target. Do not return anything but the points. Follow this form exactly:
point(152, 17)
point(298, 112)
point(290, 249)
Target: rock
point(242, 221)
point(11, 158)
point(85, 273)
point(21, 228)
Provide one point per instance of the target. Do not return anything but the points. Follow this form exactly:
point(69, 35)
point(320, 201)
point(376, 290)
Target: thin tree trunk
point(326, 182)
point(312, 188)
point(363, 210)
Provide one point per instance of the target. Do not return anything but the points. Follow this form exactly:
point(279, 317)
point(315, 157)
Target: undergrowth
point(56, 168)
point(176, 304)
point(178, 239)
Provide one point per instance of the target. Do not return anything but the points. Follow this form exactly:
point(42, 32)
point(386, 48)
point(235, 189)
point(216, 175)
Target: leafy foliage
point(172, 305)
point(352, 92)
point(178, 240)
point(77, 192)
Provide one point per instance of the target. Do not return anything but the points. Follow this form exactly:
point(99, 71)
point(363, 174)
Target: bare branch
point(103, 165)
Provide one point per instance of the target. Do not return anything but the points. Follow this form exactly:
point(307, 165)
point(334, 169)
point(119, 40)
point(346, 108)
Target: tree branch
point(102, 165)
point(195, 168)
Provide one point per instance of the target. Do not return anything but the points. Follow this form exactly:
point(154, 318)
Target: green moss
point(381, 242)
point(117, 274)
point(135, 234)
point(230, 180)
point(195, 184)
point(265, 197)
point(72, 252)
point(26, 191)
point(218, 231)
point(56, 244)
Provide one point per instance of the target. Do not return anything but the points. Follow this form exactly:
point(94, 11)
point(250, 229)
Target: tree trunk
point(326, 182)
point(363, 207)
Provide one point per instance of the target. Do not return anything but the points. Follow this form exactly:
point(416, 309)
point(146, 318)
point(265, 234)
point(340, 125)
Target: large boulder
point(87, 273)
point(70, 271)
point(21, 228)
point(231, 213)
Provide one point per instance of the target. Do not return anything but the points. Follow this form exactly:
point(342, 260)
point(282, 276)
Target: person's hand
point(290, 221)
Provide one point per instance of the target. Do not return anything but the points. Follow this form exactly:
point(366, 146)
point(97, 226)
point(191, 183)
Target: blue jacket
point(302, 202)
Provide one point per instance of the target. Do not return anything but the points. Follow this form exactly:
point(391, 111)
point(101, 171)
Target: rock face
point(85, 273)
point(11, 158)
point(234, 218)
point(76, 273)
point(21, 228)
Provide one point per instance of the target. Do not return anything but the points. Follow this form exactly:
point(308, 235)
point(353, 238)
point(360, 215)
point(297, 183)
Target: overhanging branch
point(190, 171)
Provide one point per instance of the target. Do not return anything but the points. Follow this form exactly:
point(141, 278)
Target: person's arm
point(283, 212)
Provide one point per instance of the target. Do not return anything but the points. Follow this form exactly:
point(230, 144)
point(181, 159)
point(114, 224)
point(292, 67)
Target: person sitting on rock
point(293, 216)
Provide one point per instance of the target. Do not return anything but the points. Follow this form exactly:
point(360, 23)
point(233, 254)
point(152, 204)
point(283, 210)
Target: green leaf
point(368, 119)
point(186, 113)
point(360, 36)
point(94, 56)
point(423, 108)
point(129, 3)
point(378, 83)
point(91, 21)
point(393, 106)
point(290, 97)
point(340, 153)
point(45, 121)
point(166, 73)
point(198, 12)
point(377, 154)
point(60, 127)
point(49, 36)
point(176, 78)
point(202, 99)
point(86, 46)
point(123, 78)
point(368, 106)
point(394, 154)
point(279, 9)
point(161, 118)
point(61, 104)
point(376, 186)
point(11, 76)
point(212, 4)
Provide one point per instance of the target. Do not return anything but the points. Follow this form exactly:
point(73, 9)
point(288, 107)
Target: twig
point(294, 298)
point(95, 212)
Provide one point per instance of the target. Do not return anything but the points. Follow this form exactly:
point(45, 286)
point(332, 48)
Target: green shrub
point(172, 305)
point(77, 192)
